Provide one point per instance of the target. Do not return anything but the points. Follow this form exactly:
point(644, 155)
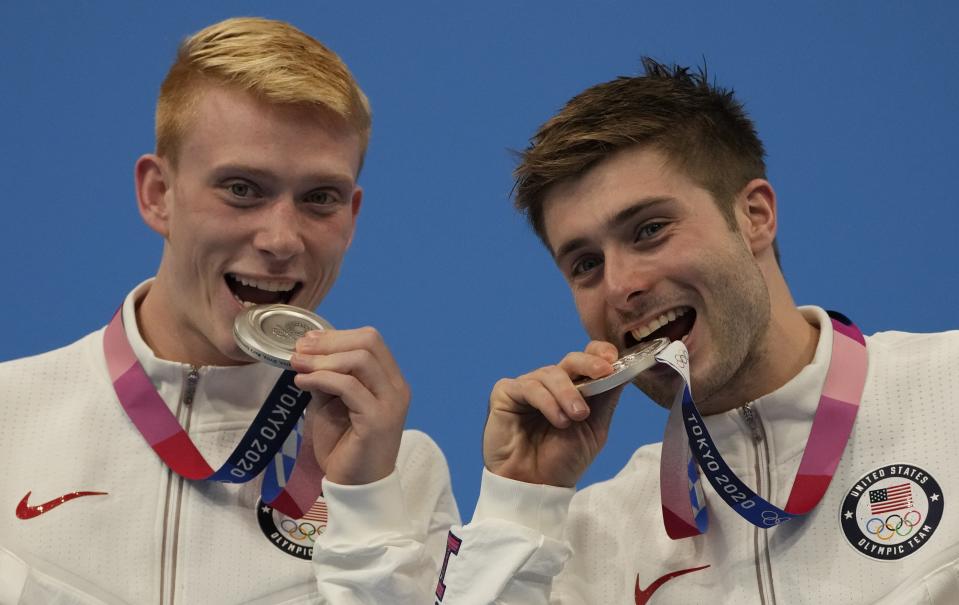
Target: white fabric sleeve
point(373, 551)
point(511, 550)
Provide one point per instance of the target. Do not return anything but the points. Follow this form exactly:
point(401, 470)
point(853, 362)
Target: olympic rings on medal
point(894, 524)
point(302, 531)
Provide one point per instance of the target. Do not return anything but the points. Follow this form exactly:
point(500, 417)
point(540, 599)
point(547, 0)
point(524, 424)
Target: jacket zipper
point(174, 495)
point(764, 571)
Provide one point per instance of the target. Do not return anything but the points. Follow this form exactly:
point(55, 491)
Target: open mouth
point(674, 324)
point(248, 291)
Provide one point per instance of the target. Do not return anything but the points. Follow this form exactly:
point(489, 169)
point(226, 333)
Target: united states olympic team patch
point(892, 511)
point(293, 536)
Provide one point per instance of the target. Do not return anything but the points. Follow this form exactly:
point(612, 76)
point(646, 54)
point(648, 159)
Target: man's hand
point(540, 429)
point(360, 403)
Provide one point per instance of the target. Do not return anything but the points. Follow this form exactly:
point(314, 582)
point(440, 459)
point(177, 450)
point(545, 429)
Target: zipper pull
point(750, 417)
point(192, 378)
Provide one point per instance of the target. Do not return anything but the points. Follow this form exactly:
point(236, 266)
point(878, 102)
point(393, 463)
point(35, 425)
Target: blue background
point(856, 102)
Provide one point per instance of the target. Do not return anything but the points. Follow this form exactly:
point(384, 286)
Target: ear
point(153, 188)
point(355, 204)
point(756, 215)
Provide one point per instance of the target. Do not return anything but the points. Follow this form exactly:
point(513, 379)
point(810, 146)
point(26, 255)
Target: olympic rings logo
point(303, 530)
point(771, 518)
point(894, 525)
point(291, 330)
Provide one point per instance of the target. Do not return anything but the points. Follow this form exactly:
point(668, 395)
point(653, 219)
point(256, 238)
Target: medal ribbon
point(684, 512)
point(292, 483)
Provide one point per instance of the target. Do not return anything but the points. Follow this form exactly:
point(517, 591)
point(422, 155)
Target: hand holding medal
point(629, 366)
point(542, 428)
point(360, 395)
point(268, 333)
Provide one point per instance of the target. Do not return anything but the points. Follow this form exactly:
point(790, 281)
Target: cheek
point(200, 229)
point(228, 237)
point(328, 246)
point(591, 312)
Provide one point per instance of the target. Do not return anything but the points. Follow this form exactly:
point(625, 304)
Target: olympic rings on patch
point(312, 530)
point(917, 519)
point(301, 531)
point(894, 524)
point(878, 531)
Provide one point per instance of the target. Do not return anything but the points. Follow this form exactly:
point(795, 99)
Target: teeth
point(270, 285)
point(657, 323)
point(243, 302)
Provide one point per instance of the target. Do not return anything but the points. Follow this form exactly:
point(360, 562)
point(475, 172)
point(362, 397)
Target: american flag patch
point(317, 512)
point(888, 499)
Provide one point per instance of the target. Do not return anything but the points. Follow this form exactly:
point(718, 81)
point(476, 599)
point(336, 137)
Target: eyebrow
point(612, 222)
point(333, 178)
point(243, 169)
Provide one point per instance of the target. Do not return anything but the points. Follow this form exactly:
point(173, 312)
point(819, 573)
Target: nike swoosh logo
point(25, 511)
point(643, 596)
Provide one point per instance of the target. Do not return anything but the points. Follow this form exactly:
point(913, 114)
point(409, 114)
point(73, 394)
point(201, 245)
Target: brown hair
point(271, 59)
point(700, 127)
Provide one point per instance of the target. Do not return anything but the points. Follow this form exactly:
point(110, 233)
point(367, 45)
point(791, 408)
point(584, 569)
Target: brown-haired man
point(261, 132)
point(650, 193)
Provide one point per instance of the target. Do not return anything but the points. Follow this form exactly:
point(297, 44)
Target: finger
point(530, 396)
point(601, 348)
point(365, 409)
point(578, 364)
point(326, 422)
point(559, 384)
point(325, 342)
point(358, 363)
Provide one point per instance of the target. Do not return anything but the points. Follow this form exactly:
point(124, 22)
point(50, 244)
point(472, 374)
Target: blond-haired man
point(261, 132)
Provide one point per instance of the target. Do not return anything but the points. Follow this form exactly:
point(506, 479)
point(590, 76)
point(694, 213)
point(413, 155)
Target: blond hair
point(271, 59)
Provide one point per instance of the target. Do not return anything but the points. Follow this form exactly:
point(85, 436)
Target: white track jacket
point(148, 536)
point(886, 531)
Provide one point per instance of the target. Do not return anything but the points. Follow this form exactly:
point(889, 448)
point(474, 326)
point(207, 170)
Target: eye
point(648, 230)
point(585, 265)
point(242, 189)
point(322, 197)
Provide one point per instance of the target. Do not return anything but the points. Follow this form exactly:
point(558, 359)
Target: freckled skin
point(261, 219)
point(269, 192)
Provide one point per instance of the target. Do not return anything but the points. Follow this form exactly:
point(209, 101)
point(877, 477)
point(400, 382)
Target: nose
point(279, 234)
point(625, 278)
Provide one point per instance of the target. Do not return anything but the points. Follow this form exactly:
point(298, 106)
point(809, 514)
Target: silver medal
point(629, 366)
point(268, 333)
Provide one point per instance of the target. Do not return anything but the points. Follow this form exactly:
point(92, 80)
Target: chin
point(236, 356)
point(227, 350)
point(659, 385)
